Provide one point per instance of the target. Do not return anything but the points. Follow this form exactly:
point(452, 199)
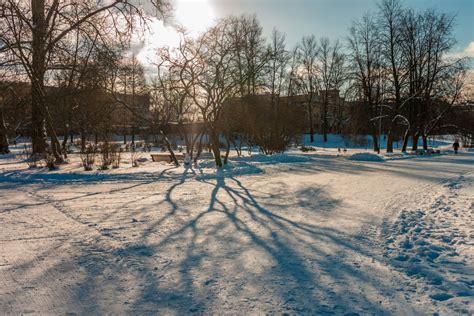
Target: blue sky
point(332, 18)
point(296, 18)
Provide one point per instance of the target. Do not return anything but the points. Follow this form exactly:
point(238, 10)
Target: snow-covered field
point(312, 233)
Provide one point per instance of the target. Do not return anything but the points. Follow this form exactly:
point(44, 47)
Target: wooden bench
point(166, 157)
point(206, 155)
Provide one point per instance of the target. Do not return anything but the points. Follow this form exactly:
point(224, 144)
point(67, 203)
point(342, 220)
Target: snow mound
point(366, 157)
point(208, 170)
point(274, 159)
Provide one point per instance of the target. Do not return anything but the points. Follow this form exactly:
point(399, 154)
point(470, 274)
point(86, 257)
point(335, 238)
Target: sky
point(296, 18)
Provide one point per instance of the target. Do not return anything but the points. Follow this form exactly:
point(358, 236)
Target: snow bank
point(273, 159)
point(366, 142)
point(207, 170)
point(366, 157)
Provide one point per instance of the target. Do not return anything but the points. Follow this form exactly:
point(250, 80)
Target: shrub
point(50, 161)
point(115, 156)
point(134, 157)
point(88, 157)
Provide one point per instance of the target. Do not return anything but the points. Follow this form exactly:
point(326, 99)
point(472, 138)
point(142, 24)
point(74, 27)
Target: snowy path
point(315, 237)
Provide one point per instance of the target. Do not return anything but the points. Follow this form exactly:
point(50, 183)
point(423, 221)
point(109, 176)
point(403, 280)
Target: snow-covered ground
point(312, 233)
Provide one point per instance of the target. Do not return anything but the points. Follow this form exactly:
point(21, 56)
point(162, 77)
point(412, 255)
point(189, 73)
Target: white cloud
point(467, 52)
point(194, 16)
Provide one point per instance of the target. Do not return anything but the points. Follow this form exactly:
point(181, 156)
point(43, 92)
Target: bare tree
point(368, 71)
point(249, 52)
point(332, 75)
point(278, 59)
point(307, 74)
point(390, 33)
point(173, 86)
point(427, 37)
point(213, 78)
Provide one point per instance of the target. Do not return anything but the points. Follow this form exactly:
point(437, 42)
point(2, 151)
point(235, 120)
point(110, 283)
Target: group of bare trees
point(394, 62)
point(41, 37)
point(403, 73)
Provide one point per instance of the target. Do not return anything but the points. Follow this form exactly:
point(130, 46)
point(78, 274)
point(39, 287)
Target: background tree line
point(393, 66)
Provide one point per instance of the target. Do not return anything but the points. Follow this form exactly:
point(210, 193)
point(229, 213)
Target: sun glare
point(195, 15)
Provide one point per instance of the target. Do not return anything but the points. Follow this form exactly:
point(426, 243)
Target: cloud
point(468, 52)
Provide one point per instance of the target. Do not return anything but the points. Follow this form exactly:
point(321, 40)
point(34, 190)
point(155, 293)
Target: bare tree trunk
point(325, 119)
point(4, 146)
point(170, 149)
point(390, 139)
point(38, 124)
point(405, 140)
point(311, 124)
point(425, 141)
point(83, 140)
point(416, 136)
point(199, 151)
point(375, 139)
point(215, 147)
point(227, 149)
point(64, 143)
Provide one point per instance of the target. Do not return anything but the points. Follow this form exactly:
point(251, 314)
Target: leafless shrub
point(115, 156)
point(50, 161)
point(30, 158)
point(105, 155)
point(88, 157)
point(134, 157)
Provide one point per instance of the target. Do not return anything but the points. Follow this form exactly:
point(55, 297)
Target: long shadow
point(279, 239)
point(237, 220)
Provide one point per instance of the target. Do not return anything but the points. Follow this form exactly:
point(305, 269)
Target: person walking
point(456, 146)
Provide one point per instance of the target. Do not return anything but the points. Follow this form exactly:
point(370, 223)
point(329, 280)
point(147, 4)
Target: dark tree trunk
point(406, 137)
point(375, 139)
point(170, 149)
point(64, 143)
point(227, 149)
point(311, 124)
point(215, 148)
point(38, 123)
point(390, 140)
point(4, 146)
point(425, 141)
point(416, 136)
point(199, 149)
point(83, 141)
point(325, 120)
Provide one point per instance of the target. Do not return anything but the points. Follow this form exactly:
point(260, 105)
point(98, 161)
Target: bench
point(166, 157)
point(206, 155)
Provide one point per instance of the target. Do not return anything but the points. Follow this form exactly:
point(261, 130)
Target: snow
point(432, 241)
point(365, 141)
point(296, 233)
point(366, 157)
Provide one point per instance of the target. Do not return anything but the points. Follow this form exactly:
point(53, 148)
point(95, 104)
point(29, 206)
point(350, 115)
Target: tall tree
point(390, 18)
point(365, 54)
point(332, 75)
point(214, 78)
point(307, 74)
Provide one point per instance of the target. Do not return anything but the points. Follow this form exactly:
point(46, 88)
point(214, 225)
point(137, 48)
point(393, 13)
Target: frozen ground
point(300, 234)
